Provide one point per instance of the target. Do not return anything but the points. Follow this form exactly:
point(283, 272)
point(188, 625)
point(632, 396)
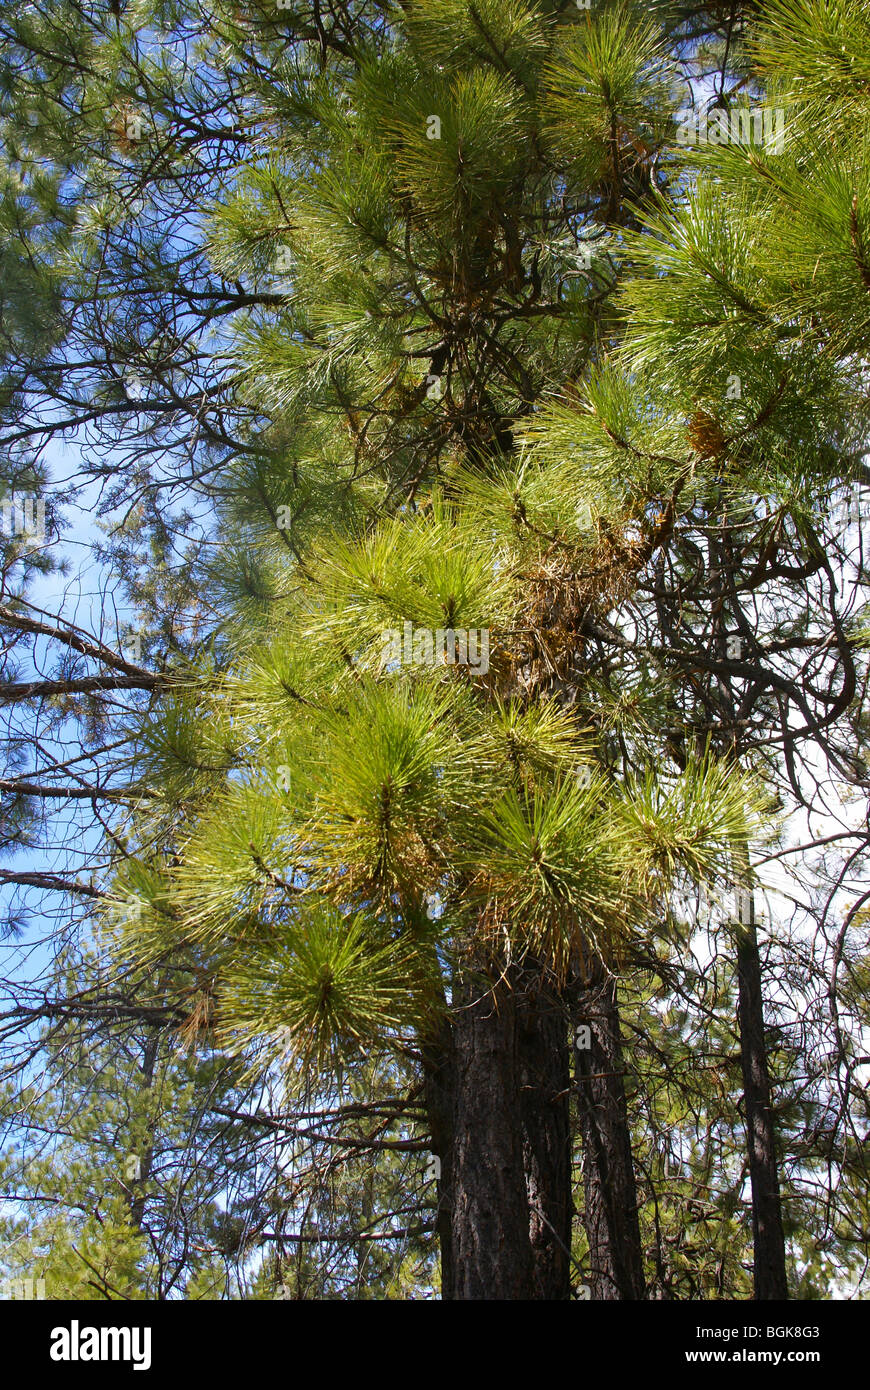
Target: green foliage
point(112, 1191)
point(332, 984)
point(441, 327)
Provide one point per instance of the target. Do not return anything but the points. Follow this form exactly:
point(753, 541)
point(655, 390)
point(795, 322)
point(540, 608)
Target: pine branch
point(54, 882)
point(13, 692)
point(126, 795)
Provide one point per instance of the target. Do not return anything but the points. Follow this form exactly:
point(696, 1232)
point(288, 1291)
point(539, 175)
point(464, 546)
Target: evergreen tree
point(119, 1177)
point(508, 427)
point(438, 294)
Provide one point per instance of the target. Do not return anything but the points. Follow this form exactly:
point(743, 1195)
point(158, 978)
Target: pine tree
point(513, 401)
point(118, 1176)
point(755, 335)
point(447, 261)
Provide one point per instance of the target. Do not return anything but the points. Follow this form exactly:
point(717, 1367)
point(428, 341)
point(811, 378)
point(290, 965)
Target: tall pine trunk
point(545, 1096)
point(768, 1240)
point(439, 1084)
point(497, 1089)
point(491, 1248)
point(769, 1270)
point(610, 1195)
point(137, 1175)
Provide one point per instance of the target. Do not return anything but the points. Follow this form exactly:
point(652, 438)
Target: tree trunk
point(768, 1240)
point(492, 1251)
point(138, 1167)
point(439, 1082)
point(545, 1098)
point(611, 1215)
point(497, 1093)
point(769, 1273)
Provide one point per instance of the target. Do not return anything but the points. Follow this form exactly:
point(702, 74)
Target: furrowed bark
point(610, 1215)
point(491, 1247)
point(545, 1097)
